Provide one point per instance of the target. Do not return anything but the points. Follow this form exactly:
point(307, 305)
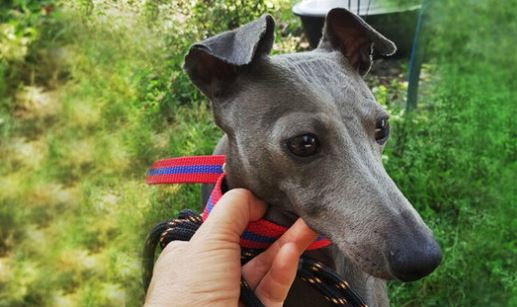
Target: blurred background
point(92, 91)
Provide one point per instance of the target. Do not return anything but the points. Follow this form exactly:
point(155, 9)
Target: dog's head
point(306, 134)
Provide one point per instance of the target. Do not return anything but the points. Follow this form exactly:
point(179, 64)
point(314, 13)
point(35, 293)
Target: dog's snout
point(415, 260)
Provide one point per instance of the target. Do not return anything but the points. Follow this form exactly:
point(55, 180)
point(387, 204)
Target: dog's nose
point(414, 261)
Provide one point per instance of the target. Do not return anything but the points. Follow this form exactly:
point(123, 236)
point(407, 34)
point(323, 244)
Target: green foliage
point(94, 92)
point(455, 158)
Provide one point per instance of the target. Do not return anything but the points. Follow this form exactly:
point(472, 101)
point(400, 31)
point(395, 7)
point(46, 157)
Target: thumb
point(230, 216)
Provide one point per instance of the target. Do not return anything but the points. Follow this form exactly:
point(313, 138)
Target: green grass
point(456, 159)
point(94, 100)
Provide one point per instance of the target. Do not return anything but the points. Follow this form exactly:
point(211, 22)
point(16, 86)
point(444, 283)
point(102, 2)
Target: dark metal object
point(396, 23)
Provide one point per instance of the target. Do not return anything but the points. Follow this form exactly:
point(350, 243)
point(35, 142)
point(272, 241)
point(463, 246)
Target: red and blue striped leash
point(210, 169)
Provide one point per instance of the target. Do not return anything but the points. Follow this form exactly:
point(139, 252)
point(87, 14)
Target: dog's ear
point(356, 39)
point(215, 62)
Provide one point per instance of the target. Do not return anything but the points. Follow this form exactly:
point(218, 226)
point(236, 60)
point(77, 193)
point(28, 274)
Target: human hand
point(207, 269)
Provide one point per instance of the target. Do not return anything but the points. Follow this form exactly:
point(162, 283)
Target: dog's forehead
point(310, 82)
point(325, 72)
point(320, 71)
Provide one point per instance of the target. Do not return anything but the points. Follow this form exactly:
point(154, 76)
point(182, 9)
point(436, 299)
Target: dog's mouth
point(366, 259)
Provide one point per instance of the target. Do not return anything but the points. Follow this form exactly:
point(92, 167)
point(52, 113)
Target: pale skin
point(206, 271)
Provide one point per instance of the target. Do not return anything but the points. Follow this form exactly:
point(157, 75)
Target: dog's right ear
point(214, 63)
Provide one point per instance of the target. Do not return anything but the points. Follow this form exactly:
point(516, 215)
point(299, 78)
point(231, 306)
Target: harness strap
point(209, 169)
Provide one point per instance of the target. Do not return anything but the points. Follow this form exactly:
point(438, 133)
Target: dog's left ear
point(356, 39)
point(214, 63)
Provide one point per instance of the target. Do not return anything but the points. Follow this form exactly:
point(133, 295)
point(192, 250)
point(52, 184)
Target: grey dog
point(305, 134)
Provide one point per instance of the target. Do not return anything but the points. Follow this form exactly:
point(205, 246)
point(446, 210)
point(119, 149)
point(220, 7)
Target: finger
point(230, 216)
point(299, 234)
point(274, 287)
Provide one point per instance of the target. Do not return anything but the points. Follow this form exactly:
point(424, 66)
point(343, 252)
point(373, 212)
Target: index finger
point(299, 234)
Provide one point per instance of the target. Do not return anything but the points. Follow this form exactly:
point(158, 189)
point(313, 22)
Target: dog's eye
point(382, 130)
point(303, 145)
